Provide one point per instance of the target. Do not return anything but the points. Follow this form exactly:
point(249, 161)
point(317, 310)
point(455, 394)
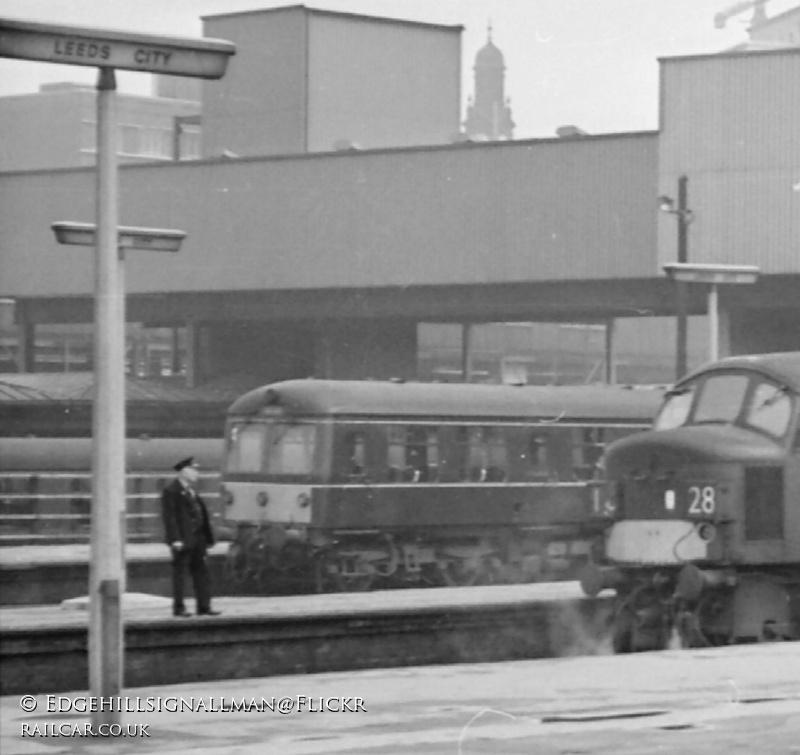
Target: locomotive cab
point(703, 512)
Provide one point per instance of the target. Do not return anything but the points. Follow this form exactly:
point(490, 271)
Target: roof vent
point(570, 132)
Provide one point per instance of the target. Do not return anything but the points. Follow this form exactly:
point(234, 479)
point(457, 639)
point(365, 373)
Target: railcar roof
point(781, 366)
point(43, 387)
point(450, 400)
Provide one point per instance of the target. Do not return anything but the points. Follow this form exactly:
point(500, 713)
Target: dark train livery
point(46, 483)
point(360, 484)
point(703, 512)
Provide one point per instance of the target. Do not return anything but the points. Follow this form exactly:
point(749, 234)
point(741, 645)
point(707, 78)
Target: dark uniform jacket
point(185, 517)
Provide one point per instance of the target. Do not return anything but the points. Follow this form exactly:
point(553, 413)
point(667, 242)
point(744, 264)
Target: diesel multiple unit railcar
point(703, 512)
point(359, 484)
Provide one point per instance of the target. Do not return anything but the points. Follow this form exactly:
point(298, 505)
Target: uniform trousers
point(195, 560)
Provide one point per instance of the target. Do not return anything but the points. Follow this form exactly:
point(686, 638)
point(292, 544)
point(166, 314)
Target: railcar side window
point(355, 452)
point(474, 454)
point(770, 409)
point(291, 449)
point(413, 453)
point(675, 409)
point(396, 452)
point(485, 454)
point(537, 457)
point(422, 453)
point(586, 451)
point(246, 448)
point(721, 398)
point(497, 454)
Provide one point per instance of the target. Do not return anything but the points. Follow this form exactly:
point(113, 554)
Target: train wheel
point(469, 572)
point(292, 557)
point(640, 624)
point(455, 574)
point(236, 569)
point(345, 574)
point(622, 632)
point(432, 575)
point(354, 582)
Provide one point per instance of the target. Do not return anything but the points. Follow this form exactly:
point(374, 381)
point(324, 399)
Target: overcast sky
point(591, 63)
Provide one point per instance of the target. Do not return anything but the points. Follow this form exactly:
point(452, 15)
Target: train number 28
point(701, 499)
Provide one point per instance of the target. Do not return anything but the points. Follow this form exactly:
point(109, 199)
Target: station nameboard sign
point(72, 45)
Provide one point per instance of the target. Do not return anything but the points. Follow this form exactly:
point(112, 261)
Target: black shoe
point(182, 614)
point(209, 612)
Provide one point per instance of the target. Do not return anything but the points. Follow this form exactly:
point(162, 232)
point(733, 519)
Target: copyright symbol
point(28, 703)
point(286, 704)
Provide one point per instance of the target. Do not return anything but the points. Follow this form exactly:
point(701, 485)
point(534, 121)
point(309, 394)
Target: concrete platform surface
point(28, 556)
point(236, 609)
point(742, 699)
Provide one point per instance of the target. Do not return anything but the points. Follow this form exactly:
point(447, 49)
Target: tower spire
point(489, 111)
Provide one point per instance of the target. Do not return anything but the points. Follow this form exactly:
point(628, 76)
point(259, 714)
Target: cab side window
point(770, 409)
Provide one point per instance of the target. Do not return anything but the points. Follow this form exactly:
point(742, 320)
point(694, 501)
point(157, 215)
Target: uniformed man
point(188, 533)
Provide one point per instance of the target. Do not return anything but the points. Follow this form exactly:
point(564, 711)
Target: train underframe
point(690, 606)
point(364, 560)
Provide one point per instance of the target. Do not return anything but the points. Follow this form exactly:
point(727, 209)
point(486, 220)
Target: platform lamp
point(684, 217)
point(712, 275)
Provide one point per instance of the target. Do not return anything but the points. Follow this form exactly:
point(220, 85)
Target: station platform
point(44, 648)
point(42, 574)
point(67, 554)
point(737, 699)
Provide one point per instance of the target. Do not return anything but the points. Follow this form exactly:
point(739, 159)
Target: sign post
point(714, 275)
point(109, 50)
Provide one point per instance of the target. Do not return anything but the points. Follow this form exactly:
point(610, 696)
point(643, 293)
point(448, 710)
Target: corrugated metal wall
point(472, 214)
point(731, 124)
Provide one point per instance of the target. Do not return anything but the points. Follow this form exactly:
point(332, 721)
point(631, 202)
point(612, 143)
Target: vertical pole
point(177, 129)
point(682, 290)
point(192, 354)
point(724, 323)
point(713, 323)
point(466, 357)
point(26, 345)
point(175, 343)
point(611, 357)
point(107, 569)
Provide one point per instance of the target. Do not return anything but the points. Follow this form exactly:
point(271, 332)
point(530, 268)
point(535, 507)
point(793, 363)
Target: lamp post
point(109, 50)
point(684, 217)
point(107, 564)
point(713, 275)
